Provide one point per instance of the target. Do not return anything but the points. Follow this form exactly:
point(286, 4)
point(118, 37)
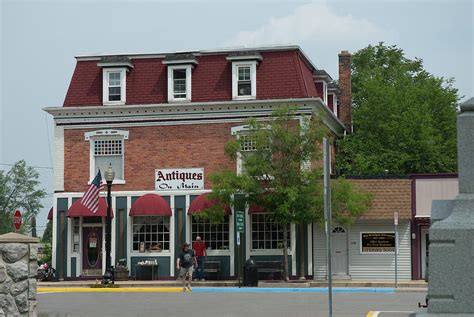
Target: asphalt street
point(225, 304)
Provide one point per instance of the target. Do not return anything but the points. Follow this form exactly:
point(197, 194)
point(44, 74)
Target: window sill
point(115, 182)
point(269, 252)
point(179, 100)
point(162, 253)
point(114, 103)
point(217, 252)
point(244, 98)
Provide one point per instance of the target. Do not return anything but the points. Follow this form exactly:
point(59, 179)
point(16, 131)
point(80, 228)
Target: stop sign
point(17, 219)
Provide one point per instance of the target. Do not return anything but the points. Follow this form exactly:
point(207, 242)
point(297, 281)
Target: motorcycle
point(46, 273)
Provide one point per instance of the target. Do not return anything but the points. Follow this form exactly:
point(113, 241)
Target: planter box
point(121, 275)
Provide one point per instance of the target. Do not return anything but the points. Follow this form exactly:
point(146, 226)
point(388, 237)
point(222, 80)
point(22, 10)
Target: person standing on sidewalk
point(185, 265)
point(199, 248)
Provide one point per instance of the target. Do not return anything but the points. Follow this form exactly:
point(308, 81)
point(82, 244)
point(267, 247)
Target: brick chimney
point(345, 98)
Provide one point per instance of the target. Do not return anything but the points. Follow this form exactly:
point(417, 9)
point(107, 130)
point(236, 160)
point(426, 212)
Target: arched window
point(338, 229)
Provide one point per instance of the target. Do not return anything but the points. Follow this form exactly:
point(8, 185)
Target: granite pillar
point(18, 270)
point(451, 257)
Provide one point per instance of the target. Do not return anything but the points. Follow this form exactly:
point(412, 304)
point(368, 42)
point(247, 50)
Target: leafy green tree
point(48, 233)
point(278, 177)
point(19, 189)
point(404, 118)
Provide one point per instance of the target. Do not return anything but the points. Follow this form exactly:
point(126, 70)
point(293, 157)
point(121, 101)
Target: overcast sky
point(39, 40)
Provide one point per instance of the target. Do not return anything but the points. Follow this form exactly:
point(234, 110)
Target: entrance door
point(92, 251)
point(339, 252)
point(425, 244)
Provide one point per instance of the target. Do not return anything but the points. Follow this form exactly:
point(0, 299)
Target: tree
point(276, 175)
point(48, 233)
point(19, 190)
point(404, 118)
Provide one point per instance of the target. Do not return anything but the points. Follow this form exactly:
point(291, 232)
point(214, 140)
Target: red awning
point(150, 205)
point(50, 214)
point(201, 203)
point(78, 210)
point(256, 209)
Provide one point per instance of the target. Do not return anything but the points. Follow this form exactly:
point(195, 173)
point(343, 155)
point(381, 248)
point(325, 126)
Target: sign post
point(327, 218)
point(17, 220)
point(395, 222)
point(239, 226)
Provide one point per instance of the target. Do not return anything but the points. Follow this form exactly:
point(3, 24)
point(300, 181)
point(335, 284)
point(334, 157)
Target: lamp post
point(108, 278)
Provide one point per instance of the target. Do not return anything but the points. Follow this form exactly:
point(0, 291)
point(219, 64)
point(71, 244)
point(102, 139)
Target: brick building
point(161, 121)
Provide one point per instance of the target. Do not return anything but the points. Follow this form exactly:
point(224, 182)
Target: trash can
point(250, 273)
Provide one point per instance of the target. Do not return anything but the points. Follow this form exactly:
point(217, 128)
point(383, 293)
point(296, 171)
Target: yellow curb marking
point(109, 290)
point(372, 314)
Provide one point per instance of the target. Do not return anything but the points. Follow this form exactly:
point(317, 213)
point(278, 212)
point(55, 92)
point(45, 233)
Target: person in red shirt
point(199, 248)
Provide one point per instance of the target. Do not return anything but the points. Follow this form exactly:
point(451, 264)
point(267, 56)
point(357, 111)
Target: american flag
point(90, 200)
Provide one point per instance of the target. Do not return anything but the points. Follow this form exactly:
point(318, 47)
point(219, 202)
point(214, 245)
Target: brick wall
point(345, 98)
point(149, 148)
point(389, 195)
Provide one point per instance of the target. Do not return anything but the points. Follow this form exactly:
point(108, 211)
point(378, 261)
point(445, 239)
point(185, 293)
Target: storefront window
point(75, 234)
point(216, 236)
point(152, 233)
point(266, 234)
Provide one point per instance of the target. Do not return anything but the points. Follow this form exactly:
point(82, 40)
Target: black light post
point(108, 278)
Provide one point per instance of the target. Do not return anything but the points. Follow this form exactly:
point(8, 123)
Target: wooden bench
point(269, 268)
point(213, 267)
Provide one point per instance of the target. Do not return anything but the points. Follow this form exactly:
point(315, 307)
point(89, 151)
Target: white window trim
point(166, 253)
point(105, 86)
point(291, 247)
point(334, 104)
point(105, 134)
point(325, 91)
point(237, 131)
point(188, 69)
point(253, 79)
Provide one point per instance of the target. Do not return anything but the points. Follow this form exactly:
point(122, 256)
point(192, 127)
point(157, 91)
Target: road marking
point(376, 313)
point(210, 290)
point(109, 290)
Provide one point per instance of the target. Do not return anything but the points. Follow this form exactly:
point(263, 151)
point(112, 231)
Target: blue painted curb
point(291, 290)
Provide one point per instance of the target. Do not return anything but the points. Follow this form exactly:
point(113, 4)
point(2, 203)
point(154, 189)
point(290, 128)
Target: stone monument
point(451, 257)
point(18, 270)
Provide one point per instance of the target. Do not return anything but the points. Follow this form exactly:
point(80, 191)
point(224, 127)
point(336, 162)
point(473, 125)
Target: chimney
point(345, 98)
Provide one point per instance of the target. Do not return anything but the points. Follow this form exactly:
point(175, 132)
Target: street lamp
point(109, 274)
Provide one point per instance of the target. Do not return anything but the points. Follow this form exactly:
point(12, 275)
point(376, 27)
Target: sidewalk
point(411, 286)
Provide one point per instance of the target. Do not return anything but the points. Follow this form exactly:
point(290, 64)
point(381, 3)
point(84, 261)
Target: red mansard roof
point(282, 74)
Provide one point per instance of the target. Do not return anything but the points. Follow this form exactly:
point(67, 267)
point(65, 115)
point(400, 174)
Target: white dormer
point(179, 76)
point(244, 75)
point(114, 86)
point(114, 79)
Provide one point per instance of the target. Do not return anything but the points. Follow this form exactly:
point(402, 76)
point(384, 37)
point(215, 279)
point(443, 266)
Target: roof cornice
point(196, 52)
point(188, 111)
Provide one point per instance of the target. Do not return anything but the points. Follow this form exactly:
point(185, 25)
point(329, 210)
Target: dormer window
point(244, 80)
point(179, 83)
point(114, 81)
point(244, 74)
point(179, 76)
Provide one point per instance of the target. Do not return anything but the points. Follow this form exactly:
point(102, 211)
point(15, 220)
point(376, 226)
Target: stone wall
point(18, 269)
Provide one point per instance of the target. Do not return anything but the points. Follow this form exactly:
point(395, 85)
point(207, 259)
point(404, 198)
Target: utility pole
point(327, 217)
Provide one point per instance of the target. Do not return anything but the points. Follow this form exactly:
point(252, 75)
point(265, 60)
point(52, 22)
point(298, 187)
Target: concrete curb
point(45, 290)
